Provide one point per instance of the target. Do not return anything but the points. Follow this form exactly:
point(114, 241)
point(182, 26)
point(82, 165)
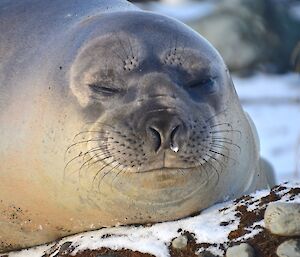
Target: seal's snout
point(165, 132)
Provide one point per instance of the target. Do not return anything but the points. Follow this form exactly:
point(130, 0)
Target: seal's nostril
point(156, 136)
point(164, 134)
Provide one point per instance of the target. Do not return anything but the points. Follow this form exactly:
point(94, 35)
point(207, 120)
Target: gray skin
point(110, 115)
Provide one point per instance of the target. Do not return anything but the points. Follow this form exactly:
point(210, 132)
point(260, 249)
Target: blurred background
point(260, 42)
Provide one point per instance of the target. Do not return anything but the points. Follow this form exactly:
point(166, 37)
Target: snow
point(262, 86)
point(273, 102)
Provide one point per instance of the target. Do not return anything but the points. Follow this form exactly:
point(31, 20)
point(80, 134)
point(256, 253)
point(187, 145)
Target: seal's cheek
point(210, 93)
point(82, 94)
point(216, 101)
point(93, 112)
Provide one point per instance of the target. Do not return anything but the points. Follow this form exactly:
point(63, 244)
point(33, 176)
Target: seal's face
point(152, 107)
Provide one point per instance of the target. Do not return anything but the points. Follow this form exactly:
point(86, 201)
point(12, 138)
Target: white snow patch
point(273, 102)
point(262, 86)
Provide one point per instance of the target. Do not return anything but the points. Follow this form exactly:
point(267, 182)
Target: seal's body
point(110, 115)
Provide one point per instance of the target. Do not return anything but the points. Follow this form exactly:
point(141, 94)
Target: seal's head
point(156, 98)
point(127, 117)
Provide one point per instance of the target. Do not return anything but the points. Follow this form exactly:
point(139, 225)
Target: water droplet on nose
point(174, 147)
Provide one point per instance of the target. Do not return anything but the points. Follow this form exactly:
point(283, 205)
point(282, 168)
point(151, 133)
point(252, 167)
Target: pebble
point(283, 218)
point(241, 250)
point(290, 248)
point(180, 242)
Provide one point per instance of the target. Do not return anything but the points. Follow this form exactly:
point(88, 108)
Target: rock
point(180, 242)
point(296, 63)
point(235, 27)
point(242, 250)
point(290, 248)
point(283, 218)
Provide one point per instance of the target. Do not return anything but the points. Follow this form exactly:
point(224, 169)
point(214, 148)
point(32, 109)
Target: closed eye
point(202, 82)
point(104, 90)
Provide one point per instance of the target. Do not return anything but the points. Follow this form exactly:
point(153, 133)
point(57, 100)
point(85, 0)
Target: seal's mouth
point(165, 169)
point(166, 160)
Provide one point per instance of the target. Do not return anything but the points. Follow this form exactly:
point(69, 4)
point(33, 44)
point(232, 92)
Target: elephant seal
point(111, 115)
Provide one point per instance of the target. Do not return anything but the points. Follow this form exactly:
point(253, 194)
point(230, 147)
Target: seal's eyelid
point(105, 90)
point(206, 81)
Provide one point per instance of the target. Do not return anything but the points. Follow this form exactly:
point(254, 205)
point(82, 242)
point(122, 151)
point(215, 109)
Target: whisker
point(215, 115)
point(105, 173)
point(107, 155)
point(224, 155)
point(81, 142)
point(102, 168)
point(226, 142)
point(220, 147)
point(74, 158)
point(226, 131)
point(214, 168)
point(206, 162)
point(89, 131)
point(123, 169)
point(216, 160)
point(122, 45)
point(203, 168)
point(130, 46)
point(102, 149)
point(93, 139)
point(221, 124)
point(118, 56)
point(222, 138)
point(96, 155)
point(114, 167)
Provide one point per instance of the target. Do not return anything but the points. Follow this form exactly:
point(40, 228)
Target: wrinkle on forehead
point(116, 47)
